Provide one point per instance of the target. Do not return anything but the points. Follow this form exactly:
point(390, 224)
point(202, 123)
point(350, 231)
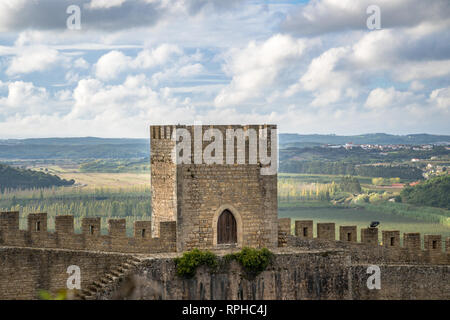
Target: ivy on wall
point(253, 261)
point(187, 264)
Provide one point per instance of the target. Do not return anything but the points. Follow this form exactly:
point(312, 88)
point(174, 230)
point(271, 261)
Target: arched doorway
point(226, 228)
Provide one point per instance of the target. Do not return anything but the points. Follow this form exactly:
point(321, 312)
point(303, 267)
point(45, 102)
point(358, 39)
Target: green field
point(319, 178)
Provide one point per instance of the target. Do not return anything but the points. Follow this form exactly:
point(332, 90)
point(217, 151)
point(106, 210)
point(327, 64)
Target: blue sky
point(309, 67)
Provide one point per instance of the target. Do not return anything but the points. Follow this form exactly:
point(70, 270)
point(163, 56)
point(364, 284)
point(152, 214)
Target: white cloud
point(416, 86)
point(441, 98)
point(149, 58)
point(9, 10)
point(321, 72)
point(100, 4)
point(421, 70)
point(18, 15)
point(111, 64)
point(382, 98)
point(132, 98)
point(178, 72)
point(403, 53)
point(325, 98)
point(23, 99)
point(191, 70)
point(34, 58)
point(376, 49)
point(20, 93)
point(388, 54)
point(258, 67)
point(324, 80)
point(80, 63)
point(72, 77)
point(121, 74)
point(324, 16)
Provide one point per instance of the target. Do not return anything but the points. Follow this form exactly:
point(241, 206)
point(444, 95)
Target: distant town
point(351, 145)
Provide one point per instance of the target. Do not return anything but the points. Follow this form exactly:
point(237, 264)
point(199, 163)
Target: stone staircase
point(113, 276)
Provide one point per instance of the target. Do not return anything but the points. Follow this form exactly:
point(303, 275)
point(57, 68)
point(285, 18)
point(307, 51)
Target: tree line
point(13, 178)
point(349, 169)
point(433, 192)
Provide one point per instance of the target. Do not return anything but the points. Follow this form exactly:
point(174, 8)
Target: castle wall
point(391, 238)
point(403, 282)
point(303, 269)
point(304, 229)
point(411, 240)
point(315, 274)
point(322, 274)
point(368, 250)
point(284, 230)
point(348, 233)
point(369, 236)
point(25, 271)
point(326, 231)
point(163, 177)
point(64, 236)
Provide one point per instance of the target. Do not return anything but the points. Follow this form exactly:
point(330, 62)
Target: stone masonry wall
point(318, 275)
point(163, 177)
point(25, 271)
point(207, 190)
point(370, 249)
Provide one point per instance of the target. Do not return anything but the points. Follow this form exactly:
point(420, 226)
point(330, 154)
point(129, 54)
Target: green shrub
point(188, 263)
point(46, 295)
point(350, 184)
point(361, 198)
point(228, 257)
point(253, 261)
point(374, 197)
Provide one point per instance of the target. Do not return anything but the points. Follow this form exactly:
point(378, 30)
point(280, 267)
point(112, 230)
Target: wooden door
point(226, 228)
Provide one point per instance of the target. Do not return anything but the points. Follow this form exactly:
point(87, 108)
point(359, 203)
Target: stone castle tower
point(215, 204)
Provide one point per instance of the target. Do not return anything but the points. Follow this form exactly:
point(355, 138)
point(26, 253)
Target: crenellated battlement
point(389, 249)
point(64, 236)
point(90, 238)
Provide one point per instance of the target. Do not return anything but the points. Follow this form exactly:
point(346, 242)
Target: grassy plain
point(108, 179)
point(97, 179)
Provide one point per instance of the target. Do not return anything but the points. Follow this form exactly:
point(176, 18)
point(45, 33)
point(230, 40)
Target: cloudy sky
point(308, 66)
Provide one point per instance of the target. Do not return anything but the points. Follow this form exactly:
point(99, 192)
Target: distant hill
point(371, 138)
point(100, 148)
point(74, 148)
point(12, 178)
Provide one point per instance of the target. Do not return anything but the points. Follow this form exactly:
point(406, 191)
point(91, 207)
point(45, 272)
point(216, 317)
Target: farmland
point(112, 179)
point(127, 195)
